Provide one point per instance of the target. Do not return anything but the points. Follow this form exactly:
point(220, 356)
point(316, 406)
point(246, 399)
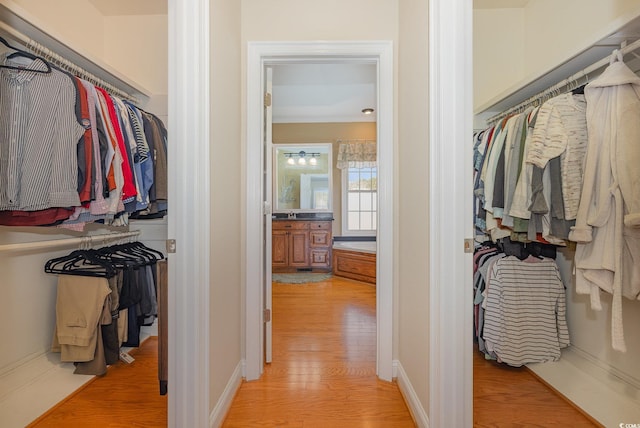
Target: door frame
point(450, 213)
point(188, 222)
point(259, 54)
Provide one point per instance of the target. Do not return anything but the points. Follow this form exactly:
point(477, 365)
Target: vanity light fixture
point(301, 158)
point(368, 110)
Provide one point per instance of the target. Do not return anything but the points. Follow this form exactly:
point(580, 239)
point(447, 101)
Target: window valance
point(357, 154)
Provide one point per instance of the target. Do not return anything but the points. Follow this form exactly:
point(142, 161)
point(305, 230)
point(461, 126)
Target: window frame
point(345, 194)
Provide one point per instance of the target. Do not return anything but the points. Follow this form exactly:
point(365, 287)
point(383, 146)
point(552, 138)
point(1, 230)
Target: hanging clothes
point(608, 220)
point(78, 154)
point(39, 132)
point(525, 309)
point(104, 297)
point(579, 181)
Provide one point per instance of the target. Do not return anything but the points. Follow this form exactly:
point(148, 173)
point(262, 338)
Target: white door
point(267, 192)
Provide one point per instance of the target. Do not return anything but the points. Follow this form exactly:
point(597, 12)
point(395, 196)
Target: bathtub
point(355, 260)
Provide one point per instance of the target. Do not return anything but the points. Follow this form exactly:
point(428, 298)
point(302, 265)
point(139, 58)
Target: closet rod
point(53, 243)
point(571, 82)
point(63, 63)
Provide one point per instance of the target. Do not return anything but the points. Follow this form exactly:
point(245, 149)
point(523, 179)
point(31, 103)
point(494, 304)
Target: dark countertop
point(303, 217)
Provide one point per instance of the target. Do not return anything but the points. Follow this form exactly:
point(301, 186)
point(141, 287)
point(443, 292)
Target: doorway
point(260, 55)
point(319, 151)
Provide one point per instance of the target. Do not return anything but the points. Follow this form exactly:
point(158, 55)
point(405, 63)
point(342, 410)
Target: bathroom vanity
point(301, 244)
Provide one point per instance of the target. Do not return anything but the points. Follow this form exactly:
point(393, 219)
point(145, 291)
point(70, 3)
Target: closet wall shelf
point(68, 242)
point(535, 84)
point(21, 27)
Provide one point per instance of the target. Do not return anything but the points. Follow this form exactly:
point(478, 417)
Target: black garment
point(111, 342)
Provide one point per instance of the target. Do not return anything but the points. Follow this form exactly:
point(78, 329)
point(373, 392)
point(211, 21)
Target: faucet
point(291, 214)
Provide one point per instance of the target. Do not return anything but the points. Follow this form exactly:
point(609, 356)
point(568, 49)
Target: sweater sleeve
point(548, 142)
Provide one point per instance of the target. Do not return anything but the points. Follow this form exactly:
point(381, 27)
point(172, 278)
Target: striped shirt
point(39, 133)
point(524, 319)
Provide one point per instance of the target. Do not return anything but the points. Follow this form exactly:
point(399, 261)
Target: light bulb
point(302, 161)
point(290, 161)
point(313, 161)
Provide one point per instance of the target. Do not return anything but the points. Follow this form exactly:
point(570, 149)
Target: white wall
point(29, 296)
point(413, 196)
point(136, 46)
point(60, 18)
point(590, 331)
point(498, 53)
point(314, 20)
point(226, 189)
point(517, 44)
point(569, 26)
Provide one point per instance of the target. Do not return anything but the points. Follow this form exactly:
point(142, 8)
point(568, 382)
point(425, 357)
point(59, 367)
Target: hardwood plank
point(127, 396)
point(507, 396)
point(323, 372)
point(323, 375)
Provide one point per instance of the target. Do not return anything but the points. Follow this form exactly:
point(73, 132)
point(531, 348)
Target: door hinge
point(267, 315)
point(171, 246)
point(468, 245)
point(267, 99)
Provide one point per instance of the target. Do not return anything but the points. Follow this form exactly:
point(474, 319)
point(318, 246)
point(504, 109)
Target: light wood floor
point(127, 396)
point(323, 375)
point(506, 396)
point(323, 372)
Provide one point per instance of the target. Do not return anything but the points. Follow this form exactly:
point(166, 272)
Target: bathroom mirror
point(302, 177)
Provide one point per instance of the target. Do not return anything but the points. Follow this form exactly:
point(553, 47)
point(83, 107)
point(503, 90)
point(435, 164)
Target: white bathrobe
point(608, 221)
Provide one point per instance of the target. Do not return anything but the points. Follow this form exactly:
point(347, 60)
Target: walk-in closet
point(557, 107)
point(75, 217)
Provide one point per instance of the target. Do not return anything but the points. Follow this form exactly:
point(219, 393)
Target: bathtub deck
point(355, 265)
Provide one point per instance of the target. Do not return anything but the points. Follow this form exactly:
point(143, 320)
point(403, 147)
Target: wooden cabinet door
point(299, 248)
point(319, 238)
point(320, 257)
point(280, 248)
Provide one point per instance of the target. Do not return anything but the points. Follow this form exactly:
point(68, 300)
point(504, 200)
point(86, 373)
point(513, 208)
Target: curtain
point(357, 154)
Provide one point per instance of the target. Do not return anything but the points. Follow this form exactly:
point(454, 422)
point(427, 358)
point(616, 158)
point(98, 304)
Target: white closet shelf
point(20, 26)
point(534, 84)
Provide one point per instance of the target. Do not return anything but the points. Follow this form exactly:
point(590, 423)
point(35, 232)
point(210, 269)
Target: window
point(359, 201)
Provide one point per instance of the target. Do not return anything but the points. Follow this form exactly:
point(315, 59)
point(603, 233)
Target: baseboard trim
point(594, 389)
point(35, 387)
point(224, 403)
point(410, 397)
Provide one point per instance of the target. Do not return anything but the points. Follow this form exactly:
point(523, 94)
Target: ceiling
point(323, 92)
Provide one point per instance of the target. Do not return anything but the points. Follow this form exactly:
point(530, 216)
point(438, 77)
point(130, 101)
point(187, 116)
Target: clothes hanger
point(80, 262)
point(157, 255)
point(130, 255)
point(20, 52)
